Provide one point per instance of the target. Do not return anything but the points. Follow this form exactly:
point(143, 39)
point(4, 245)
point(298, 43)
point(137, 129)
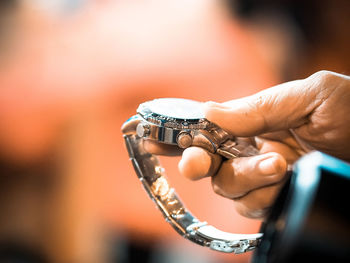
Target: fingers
point(252, 182)
point(289, 154)
point(279, 108)
point(240, 176)
point(257, 203)
point(197, 163)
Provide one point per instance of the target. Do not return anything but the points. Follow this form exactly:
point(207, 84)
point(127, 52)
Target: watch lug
point(129, 127)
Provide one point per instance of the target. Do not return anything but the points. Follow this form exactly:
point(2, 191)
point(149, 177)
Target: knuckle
point(280, 167)
point(259, 105)
point(323, 76)
point(323, 83)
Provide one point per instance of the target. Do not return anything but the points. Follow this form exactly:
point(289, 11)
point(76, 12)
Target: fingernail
point(268, 166)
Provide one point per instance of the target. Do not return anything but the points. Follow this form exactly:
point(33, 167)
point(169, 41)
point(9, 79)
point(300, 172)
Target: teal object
point(307, 177)
point(310, 220)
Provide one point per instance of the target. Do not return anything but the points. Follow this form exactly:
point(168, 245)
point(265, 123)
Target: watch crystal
point(175, 108)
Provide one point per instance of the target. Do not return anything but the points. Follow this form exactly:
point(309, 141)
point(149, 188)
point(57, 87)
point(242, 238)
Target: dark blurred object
point(5, 4)
point(322, 26)
point(13, 253)
point(7, 8)
point(310, 221)
point(312, 16)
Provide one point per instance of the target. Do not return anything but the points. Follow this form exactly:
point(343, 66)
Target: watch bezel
point(165, 121)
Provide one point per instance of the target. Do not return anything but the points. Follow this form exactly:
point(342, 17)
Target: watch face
point(182, 109)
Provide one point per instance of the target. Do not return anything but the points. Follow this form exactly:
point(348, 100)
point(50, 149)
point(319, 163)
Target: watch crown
point(143, 130)
point(184, 140)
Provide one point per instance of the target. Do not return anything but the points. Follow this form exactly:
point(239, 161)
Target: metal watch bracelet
point(153, 179)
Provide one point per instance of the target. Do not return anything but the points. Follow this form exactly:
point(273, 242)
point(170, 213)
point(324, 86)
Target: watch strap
point(216, 140)
point(153, 178)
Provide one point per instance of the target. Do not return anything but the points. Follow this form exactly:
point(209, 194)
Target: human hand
point(286, 121)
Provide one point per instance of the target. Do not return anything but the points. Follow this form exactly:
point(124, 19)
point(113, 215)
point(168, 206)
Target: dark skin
point(286, 121)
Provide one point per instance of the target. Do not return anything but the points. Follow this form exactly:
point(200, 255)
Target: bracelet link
point(152, 176)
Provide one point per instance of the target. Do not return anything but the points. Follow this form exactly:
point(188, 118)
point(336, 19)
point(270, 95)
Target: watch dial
point(177, 108)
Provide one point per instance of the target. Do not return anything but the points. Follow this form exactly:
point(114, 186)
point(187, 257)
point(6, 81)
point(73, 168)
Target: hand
point(286, 121)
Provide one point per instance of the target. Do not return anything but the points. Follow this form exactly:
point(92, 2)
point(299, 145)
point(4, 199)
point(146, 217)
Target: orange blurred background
point(70, 75)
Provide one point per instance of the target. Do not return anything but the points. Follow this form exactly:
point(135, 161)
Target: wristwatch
point(181, 122)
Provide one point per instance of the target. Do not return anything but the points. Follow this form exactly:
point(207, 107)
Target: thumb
point(278, 108)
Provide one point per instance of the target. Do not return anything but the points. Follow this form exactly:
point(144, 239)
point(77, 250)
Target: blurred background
point(72, 71)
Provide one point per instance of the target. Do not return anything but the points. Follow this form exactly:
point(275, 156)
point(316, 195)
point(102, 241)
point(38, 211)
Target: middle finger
point(239, 176)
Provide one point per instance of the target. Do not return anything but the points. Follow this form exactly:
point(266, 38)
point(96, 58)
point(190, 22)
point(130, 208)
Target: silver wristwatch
point(181, 122)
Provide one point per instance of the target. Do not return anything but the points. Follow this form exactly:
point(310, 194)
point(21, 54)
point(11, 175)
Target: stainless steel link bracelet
point(184, 132)
point(153, 179)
